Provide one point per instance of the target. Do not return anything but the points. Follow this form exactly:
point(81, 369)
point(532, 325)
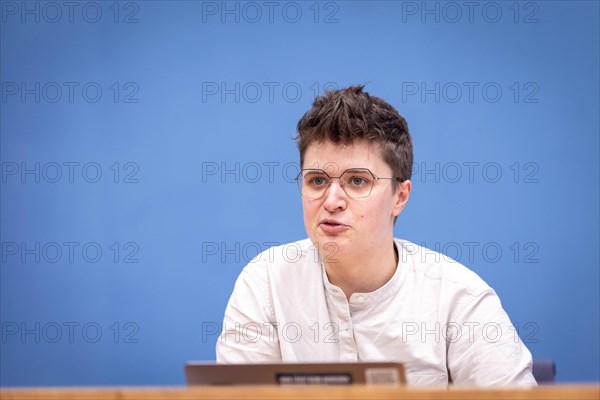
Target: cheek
point(379, 210)
point(310, 208)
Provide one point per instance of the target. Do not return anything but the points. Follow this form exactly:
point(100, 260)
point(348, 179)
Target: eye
point(318, 181)
point(357, 181)
point(315, 180)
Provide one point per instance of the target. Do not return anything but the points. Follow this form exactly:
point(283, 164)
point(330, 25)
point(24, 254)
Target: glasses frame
point(341, 183)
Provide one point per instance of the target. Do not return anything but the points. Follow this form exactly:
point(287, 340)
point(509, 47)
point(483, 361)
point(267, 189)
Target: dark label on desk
point(312, 378)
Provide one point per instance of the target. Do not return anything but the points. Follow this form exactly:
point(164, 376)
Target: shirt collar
point(364, 300)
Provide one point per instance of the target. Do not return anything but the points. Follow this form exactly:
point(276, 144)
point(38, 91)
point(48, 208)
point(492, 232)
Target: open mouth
point(332, 226)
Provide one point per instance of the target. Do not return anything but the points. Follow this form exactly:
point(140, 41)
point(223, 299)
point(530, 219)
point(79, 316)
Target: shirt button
point(361, 299)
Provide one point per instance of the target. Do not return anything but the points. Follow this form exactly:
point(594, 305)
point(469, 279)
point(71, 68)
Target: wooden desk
point(571, 392)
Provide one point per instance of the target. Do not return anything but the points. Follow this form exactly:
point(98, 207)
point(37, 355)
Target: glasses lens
point(313, 183)
point(358, 182)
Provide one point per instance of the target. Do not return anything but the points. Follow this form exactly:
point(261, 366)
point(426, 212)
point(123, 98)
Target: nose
point(335, 197)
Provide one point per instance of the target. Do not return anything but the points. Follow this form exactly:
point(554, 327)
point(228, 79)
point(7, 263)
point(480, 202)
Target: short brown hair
point(346, 115)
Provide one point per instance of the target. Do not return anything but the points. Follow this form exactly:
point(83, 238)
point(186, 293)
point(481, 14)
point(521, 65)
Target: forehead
point(334, 158)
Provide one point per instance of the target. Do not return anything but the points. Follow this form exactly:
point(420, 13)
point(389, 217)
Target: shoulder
point(289, 260)
point(439, 269)
point(284, 255)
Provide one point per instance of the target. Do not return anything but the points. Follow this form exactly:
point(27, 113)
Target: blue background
point(205, 161)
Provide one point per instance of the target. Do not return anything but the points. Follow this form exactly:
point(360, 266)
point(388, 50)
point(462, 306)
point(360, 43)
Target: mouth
point(332, 226)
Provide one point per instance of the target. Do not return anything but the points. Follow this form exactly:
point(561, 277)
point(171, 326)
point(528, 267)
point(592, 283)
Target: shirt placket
point(343, 320)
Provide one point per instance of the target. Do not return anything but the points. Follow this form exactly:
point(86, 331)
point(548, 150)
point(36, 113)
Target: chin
point(332, 244)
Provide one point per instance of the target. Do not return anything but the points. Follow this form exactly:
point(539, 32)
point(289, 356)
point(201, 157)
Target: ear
point(401, 197)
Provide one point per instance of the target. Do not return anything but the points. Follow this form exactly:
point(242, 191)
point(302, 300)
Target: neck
point(363, 273)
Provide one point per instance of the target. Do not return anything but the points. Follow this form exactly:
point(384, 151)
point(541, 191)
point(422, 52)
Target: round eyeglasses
point(356, 182)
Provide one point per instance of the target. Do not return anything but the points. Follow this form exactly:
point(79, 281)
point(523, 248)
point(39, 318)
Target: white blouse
point(438, 318)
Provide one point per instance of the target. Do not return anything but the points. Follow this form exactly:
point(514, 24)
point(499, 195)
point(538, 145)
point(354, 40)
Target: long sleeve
point(483, 347)
point(249, 333)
